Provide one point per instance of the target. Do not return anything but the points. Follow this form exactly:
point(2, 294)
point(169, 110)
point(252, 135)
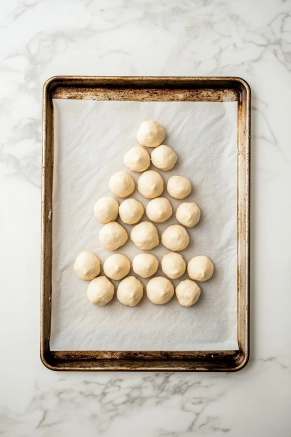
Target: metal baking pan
point(204, 89)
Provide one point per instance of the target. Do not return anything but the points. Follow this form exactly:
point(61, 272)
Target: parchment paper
point(91, 139)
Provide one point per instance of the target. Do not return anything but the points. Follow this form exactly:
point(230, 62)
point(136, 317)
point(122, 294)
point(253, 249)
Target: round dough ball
point(145, 265)
point(173, 265)
point(116, 266)
point(145, 236)
point(200, 268)
point(159, 210)
point(137, 159)
point(87, 266)
point(121, 184)
point(179, 187)
point(164, 158)
point(131, 211)
point(160, 290)
point(150, 184)
point(187, 292)
point(106, 209)
point(150, 134)
point(100, 291)
point(112, 236)
point(188, 214)
point(130, 291)
point(175, 238)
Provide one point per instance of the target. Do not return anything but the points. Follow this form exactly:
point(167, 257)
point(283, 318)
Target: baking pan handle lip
point(46, 360)
point(241, 83)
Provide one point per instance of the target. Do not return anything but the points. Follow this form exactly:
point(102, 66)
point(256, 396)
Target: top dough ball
point(87, 266)
point(188, 214)
point(179, 187)
point(112, 236)
point(150, 184)
point(164, 158)
point(150, 134)
point(131, 211)
point(145, 236)
point(137, 159)
point(106, 209)
point(200, 268)
point(121, 184)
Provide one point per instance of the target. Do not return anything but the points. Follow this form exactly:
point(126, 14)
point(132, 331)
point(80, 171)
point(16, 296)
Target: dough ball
point(179, 187)
point(173, 265)
point(200, 268)
point(175, 238)
point(150, 134)
point(150, 184)
point(121, 184)
point(106, 209)
point(100, 291)
point(188, 214)
point(187, 292)
point(131, 211)
point(130, 291)
point(159, 210)
point(145, 265)
point(160, 290)
point(87, 266)
point(137, 159)
point(112, 236)
point(145, 236)
point(164, 158)
point(116, 266)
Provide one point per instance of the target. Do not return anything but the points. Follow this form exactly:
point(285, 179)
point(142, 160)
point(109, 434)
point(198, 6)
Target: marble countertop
point(247, 38)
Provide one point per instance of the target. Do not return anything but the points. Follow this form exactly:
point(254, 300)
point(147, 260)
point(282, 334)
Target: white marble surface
point(246, 38)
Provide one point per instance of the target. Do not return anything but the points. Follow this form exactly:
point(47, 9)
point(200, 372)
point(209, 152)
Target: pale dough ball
point(87, 265)
point(160, 290)
point(187, 292)
point(112, 236)
point(188, 214)
point(121, 184)
point(175, 238)
point(150, 184)
point(131, 211)
point(173, 265)
point(200, 268)
point(159, 210)
point(164, 158)
point(100, 291)
point(116, 266)
point(150, 134)
point(145, 236)
point(130, 291)
point(179, 187)
point(137, 159)
point(106, 209)
point(145, 265)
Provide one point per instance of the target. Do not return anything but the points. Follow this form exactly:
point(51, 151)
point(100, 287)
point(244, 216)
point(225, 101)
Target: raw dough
point(179, 187)
point(159, 210)
point(150, 184)
point(100, 291)
point(87, 266)
point(116, 266)
point(188, 214)
point(150, 134)
point(200, 268)
point(175, 238)
point(137, 159)
point(145, 236)
point(145, 265)
point(131, 211)
point(121, 184)
point(160, 290)
point(106, 209)
point(112, 236)
point(130, 291)
point(164, 158)
point(187, 292)
point(173, 265)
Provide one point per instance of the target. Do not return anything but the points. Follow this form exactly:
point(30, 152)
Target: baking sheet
point(90, 139)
